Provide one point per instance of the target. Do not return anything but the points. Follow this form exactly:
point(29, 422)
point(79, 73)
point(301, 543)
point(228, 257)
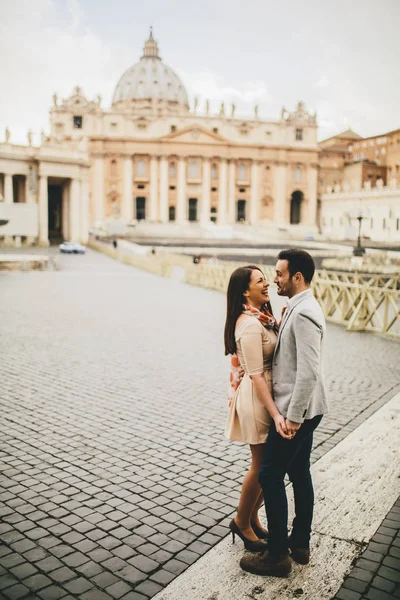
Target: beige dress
point(248, 419)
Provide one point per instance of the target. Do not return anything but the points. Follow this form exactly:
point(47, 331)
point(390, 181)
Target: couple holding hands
point(277, 400)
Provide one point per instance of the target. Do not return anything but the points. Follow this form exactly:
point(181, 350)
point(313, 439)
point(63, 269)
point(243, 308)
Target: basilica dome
point(151, 81)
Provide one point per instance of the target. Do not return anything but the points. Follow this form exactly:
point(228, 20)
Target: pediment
point(195, 135)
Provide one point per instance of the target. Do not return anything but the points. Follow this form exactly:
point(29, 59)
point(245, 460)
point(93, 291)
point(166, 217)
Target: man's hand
point(280, 424)
point(292, 427)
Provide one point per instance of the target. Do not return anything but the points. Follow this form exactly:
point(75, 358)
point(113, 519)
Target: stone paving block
point(388, 573)
point(356, 585)
point(124, 551)
point(37, 582)
point(78, 586)
point(23, 570)
point(16, 592)
point(62, 574)
point(148, 588)
point(374, 594)
point(131, 574)
point(94, 594)
point(118, 589)
point(345, 594)
point(53, 592)
point(104, 579)
point(134, 596)
point(11, 560)
point(383, 584)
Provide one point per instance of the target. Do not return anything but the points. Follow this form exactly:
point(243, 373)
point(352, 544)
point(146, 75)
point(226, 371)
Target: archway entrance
point(55, 213)
point(241, 210)
point(295, 207)
point(140, 208)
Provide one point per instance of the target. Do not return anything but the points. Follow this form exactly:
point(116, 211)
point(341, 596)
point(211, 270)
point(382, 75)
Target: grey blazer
point(298, 381)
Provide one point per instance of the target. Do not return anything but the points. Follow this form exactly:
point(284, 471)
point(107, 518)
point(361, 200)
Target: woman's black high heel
point(258, 546)
point(260, 532)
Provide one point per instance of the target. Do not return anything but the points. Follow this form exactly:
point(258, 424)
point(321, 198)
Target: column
point(65, 210)
point(163, 189)
point(222, 192)
point(255, 193)
point(84, 211)
point(280, 193)
point(206, 195)
point(98, 188)
point(29, 199)
point(312, 177)
point(43, 212)
point(232, 192)
point(8, 189)
point(127, 199)
point(74, 220)
point(153, 213)
point(181, 216)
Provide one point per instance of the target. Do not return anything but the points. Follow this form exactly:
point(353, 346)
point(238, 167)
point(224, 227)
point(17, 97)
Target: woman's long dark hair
point(238, 284)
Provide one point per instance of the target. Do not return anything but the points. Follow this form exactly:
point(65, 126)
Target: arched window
point(113, 168)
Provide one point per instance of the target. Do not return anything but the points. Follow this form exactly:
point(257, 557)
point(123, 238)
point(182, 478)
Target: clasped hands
point(286, 428)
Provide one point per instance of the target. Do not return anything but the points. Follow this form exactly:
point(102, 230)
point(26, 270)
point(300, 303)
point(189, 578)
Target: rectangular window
point(173, 128)
point(397, 224)
point(383, 223)
point(299, 135)
point(194, 169)
point(172, 170)
point(140, 168)
point(214, 172)
point(242, 172)
point(78, 122)
point(297, 175)
point(372, 223)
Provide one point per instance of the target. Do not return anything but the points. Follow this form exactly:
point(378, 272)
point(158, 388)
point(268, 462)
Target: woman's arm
point(264, 395)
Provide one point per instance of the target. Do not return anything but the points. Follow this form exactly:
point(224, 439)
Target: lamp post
point(359, 250)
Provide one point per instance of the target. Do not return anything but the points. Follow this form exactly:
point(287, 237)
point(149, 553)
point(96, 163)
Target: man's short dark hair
point(299, 261)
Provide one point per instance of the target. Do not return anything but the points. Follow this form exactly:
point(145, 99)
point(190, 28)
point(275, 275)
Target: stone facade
point(154, 158)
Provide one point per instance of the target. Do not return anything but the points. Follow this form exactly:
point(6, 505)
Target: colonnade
point(34, 190)
point(227, 183)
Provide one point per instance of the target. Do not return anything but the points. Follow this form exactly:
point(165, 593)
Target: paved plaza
point(114, 472)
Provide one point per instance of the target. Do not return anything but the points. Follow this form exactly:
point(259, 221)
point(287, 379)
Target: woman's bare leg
point(254, 517)
point(250, 494)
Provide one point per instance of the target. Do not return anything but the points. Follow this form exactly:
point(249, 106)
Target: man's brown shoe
point(299, 555)
point(267, 564)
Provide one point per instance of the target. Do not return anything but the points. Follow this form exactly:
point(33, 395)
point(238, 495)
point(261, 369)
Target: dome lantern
point(150, 48)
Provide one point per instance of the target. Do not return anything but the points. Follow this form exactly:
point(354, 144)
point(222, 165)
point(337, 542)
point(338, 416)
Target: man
point(300, 397)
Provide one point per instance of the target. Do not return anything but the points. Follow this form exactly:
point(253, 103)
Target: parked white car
point(72, 248)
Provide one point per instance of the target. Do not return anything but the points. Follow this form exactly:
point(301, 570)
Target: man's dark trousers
point(283, 456)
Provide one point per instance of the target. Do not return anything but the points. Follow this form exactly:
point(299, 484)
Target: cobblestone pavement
point(376, 574)
point(115, 475)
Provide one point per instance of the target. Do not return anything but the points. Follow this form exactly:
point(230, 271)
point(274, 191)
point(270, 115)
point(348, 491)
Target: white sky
point(341, 58)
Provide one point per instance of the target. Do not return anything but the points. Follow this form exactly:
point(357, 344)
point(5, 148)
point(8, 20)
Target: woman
point(251, 334)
